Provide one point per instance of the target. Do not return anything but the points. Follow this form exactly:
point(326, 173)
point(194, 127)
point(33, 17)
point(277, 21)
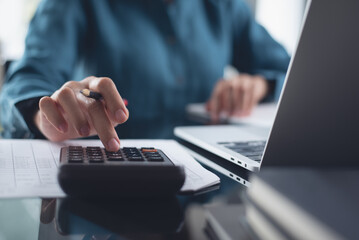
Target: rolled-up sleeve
point(255, 51)
point(49, 59)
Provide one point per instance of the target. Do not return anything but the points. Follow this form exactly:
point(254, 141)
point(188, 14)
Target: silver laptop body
point(222, 140)
point(317, 121)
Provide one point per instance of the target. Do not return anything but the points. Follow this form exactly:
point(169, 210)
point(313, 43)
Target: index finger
point(103, 125)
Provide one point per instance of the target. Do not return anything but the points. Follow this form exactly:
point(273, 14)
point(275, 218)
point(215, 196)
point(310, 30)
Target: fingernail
point(62, 128)
point(113, 145)
point(120, 115)
point(85, 131)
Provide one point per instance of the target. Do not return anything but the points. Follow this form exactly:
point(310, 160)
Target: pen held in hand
point(95, 95)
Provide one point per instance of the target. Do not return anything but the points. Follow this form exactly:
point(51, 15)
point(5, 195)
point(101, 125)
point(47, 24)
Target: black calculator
point(129, 172)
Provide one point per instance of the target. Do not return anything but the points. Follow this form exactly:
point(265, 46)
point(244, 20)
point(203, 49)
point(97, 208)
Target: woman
point(160, 55)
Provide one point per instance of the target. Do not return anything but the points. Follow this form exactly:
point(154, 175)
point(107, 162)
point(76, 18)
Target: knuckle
point(65, 93)
point(217, 95)
point(70, 84)
point(44, 102)
point(90, 77)
point(227, 85)
point(94, 107)
point(45, 105)
point(221, 84)
point(247, 85)
point(238, 77)
point(105, 83)
point(237, 86)
point(55, 94)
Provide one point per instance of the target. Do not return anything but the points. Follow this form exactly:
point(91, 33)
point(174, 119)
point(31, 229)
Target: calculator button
point(137, 159)
point(152, 155)
point(75, 148)
point(133, 155)
point(75, 151)
point(75, 160)
point(114, 156)
point(148, 150)
point(130, 149)
point(93, 148)
point(96, 160)
point(75, 157)
point(155, 159)
point(75, 154)
point(111, 153)
point(95, 157)
point(114, 159)
point(94, 154)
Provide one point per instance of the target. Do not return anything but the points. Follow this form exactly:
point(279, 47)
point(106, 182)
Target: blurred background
point(282, 18)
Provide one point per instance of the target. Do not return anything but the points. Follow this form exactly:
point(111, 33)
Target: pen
point(95, 95)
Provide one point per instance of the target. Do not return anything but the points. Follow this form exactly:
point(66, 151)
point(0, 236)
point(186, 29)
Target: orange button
point(149, 150)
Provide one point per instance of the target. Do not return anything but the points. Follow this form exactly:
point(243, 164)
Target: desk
point(177, 218)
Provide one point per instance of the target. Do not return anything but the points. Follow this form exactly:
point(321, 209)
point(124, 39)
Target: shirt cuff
point(28, 108)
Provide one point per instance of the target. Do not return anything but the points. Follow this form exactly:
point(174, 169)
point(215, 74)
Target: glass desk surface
point(180, 217)
point(172, 218)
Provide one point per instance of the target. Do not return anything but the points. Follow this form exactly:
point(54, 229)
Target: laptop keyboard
point(251, 149)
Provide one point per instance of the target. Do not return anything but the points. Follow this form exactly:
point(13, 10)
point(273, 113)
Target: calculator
point(129, 172)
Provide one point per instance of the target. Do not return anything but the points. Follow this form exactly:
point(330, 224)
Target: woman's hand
point(68, 114)
point(237, 96)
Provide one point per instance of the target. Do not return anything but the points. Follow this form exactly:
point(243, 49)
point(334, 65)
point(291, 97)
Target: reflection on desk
point(21, 218)
point(90, 218)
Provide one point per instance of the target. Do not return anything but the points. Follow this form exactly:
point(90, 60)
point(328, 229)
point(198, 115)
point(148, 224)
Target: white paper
point(262, 115)
point(28, 168)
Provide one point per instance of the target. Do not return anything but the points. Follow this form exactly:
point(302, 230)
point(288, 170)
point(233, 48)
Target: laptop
point(220, 165)
point(317, 121)
point(241, 145)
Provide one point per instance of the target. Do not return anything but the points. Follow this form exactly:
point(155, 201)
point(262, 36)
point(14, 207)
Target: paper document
point(262, 115)
point(28, 168)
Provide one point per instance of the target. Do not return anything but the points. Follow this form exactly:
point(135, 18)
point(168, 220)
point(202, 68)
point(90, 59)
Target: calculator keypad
point(78, 154)
point(75, 154)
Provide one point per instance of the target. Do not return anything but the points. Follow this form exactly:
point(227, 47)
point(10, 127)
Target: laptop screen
point(317, 122)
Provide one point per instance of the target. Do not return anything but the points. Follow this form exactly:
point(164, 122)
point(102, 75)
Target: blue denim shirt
point(162, 55)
